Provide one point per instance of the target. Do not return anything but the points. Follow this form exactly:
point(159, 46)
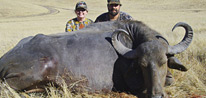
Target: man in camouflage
point(113, 13)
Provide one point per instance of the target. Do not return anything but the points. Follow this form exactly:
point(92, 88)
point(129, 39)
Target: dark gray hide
point(89, 53)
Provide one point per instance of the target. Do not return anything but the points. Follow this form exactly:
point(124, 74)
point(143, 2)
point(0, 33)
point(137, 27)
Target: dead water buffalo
point(124, 56)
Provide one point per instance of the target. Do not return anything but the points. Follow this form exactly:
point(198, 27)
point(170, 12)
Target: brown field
point(22, 18)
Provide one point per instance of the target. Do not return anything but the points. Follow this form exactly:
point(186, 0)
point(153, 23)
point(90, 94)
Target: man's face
point(81, 13)
point(113, 9)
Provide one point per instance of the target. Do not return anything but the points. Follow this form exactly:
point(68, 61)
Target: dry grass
point(22, 18)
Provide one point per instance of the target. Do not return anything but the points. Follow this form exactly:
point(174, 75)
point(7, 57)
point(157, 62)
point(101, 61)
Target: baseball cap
point(114, 2)
point(81, 4)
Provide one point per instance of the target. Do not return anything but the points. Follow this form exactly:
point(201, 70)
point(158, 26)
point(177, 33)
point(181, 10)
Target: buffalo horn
point(119, 47)
point(181, 46)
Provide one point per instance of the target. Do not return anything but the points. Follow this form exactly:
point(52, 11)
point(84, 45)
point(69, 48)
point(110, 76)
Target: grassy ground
point(22, 18)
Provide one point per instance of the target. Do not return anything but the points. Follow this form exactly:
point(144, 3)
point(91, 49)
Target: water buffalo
point(124, 56)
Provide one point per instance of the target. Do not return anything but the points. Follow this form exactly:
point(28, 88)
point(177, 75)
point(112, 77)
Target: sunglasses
point(80, 10)
point(113, 5)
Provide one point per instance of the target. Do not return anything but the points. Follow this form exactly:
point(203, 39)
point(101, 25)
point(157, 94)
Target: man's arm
point(69, 26)
point(125, 16)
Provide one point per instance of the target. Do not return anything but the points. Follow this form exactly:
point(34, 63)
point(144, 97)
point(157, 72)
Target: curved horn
point(119, 47)
point(181, 46)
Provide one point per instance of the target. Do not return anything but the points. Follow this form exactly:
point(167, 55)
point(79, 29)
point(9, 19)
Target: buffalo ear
point(174, 63)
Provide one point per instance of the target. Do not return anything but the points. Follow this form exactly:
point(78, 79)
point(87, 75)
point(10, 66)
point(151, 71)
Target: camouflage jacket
point(105, 17)
point(74, 24)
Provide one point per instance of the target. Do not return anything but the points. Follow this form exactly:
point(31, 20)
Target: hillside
point(22, 18)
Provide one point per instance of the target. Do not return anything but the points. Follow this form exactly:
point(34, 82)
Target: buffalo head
point(152, 53)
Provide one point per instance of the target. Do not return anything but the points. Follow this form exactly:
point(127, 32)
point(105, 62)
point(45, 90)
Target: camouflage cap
point(81, 4)
point(114, 2)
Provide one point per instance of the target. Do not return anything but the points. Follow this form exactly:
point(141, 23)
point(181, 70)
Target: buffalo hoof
point(157, 97)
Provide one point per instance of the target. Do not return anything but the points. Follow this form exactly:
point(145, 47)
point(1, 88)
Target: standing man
point(80, 21)
point(113, 13)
